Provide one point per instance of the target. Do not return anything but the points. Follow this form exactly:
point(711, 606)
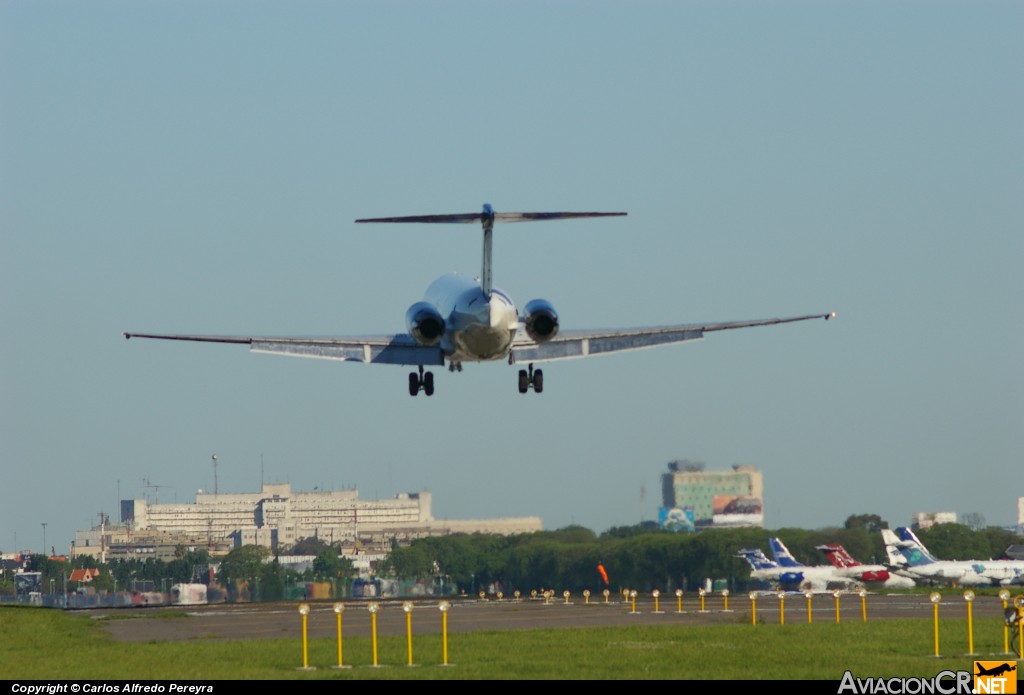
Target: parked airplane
point(462, 319)
point(922, 563)
point(793, 577)
point(785, 559)
point(875, 576)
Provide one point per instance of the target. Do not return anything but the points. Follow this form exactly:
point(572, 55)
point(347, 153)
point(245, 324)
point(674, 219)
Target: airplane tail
point(757, 559)
point(892, 549)
point(781, 554)
point(908, 536)
point(838, 556)
point(905, 553)
point(487, 218)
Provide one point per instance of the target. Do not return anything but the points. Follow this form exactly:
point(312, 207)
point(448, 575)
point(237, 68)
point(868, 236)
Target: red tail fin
point(838, 556)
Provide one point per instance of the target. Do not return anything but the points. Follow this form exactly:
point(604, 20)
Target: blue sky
point(197, 167)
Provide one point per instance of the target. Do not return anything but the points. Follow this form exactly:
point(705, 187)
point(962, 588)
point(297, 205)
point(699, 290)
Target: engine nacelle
point(541, 320)
point(425, 323)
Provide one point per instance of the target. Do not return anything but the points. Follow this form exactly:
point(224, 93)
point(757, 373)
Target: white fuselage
point(814, 578)
point(478, 326)
point(968, 573)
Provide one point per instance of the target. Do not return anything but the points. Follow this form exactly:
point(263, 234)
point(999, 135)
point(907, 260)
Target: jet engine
point(425, 323)
point(541, 320)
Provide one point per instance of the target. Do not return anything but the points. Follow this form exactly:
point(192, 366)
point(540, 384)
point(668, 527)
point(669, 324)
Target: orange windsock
point(604, 574)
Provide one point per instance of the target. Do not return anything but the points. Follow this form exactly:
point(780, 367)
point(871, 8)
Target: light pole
point(44, 538)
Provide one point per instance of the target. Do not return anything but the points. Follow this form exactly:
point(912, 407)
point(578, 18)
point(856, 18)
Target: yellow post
point(373, 608)
point(725, 600)
point(935, 597)
point(782, 607)
point(863, 606)
point(701, 592)
point(632, 597)
point(565, 595)
point(444, 607)
point(679, 600)
point(809, 595)
point(407, 607)
point(1018, 603)
point(753, 607)
point(606, 593)
point(656, 594)
point(304, 612)
point(339, 608)
point(969, 597)
point(1004, 596)
point(586, 597)
point(837, 594)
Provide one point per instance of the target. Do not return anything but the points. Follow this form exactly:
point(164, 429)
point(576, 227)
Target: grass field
point(42, 644)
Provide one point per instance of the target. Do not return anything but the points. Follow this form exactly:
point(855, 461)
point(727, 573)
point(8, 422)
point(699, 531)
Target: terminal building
point(277, 517)
point(693, 498)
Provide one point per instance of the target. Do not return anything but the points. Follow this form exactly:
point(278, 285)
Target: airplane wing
point(380, 349)
point(587, 343)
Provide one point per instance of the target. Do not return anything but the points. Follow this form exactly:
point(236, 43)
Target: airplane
point(463, 319)
point(872, 575)
point(793, 577)
point(995, 670)
point(835, 576)
point(922, 563)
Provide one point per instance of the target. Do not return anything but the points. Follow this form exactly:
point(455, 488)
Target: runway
point(282, 620)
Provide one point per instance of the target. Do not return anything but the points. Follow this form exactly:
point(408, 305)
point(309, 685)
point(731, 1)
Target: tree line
point(646, 558)
point(642, 557)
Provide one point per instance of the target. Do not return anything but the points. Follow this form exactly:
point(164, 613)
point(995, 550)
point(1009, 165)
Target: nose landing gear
point(422, 380)
point(528, 378)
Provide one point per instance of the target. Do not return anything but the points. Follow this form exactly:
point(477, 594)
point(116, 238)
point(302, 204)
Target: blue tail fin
point(908, 536)
point(757, 559)
point(781, 554)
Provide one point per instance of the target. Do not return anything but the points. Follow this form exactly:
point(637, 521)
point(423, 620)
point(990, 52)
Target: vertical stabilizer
point(782, 554)
point(487, 220)
point(908, 536)
point(892, 548)
point(757, 559)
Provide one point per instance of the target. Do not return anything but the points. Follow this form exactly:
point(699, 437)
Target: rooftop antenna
point(214, 457)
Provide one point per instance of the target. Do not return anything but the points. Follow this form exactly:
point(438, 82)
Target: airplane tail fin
point(757, 559)
point(838, 556)
point(487, 218)
point(908, 536)
point(781, 553)
point(904, 552)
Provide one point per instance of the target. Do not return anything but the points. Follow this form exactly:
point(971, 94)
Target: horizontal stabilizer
point(463, 218)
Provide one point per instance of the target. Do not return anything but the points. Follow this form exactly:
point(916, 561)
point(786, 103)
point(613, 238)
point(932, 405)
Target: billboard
point(26, 583)
point(676, 518)
point(737, 510)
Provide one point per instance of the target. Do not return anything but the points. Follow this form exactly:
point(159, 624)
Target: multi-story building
point(277, 517)
point(694, 498)
point(926, 519)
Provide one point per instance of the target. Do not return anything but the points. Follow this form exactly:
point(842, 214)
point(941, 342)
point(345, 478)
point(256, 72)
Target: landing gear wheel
point(524, 381)
point(428, 383)
point(414, 384)
point(538, 381)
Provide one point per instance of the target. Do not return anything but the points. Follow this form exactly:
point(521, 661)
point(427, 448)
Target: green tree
point(872, 523)
point(309, 546)
point(243, 564)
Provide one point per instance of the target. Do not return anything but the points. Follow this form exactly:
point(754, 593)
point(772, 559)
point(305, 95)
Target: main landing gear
point(531, 378)
point(423, 380)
